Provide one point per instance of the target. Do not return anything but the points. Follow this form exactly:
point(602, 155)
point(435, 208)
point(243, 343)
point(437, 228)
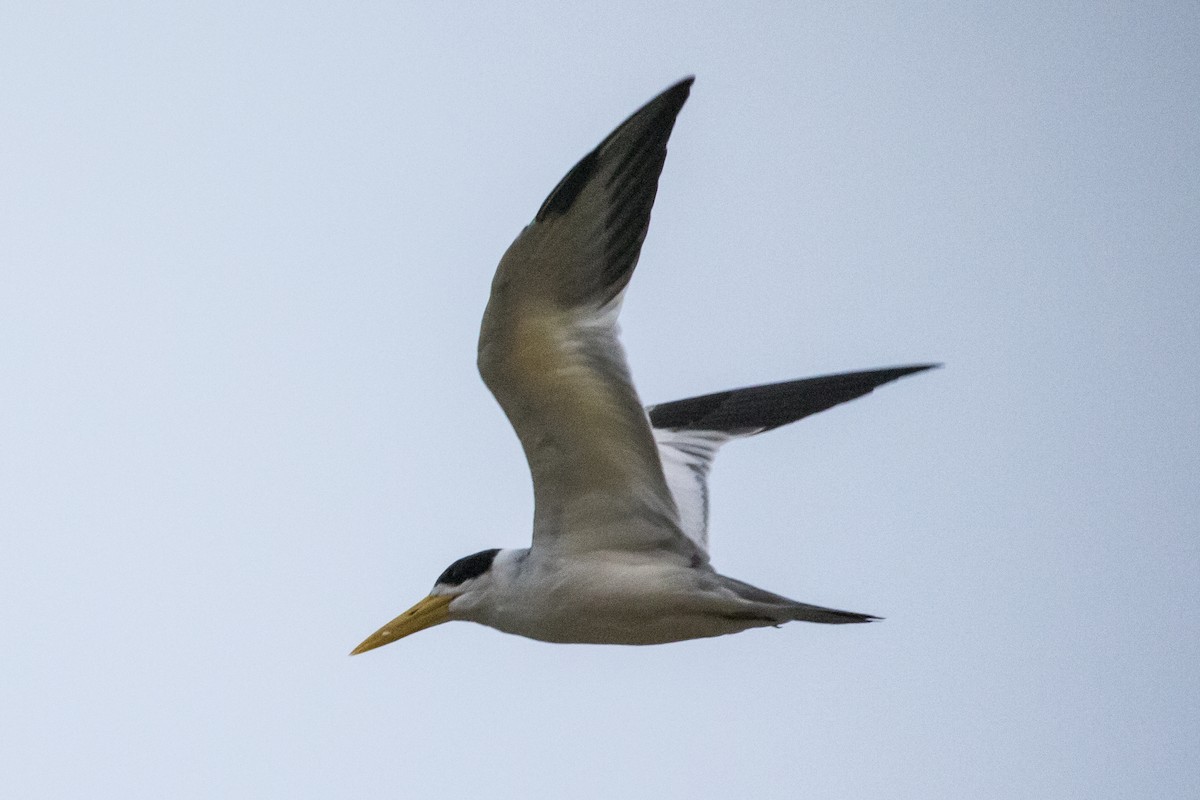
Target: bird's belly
point(628, 629)
point(629, 606)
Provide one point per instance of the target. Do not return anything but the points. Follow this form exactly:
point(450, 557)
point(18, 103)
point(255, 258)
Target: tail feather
point(787, 610)
point(803, 612)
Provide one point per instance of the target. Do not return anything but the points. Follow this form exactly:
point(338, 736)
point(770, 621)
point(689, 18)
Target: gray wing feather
point(549, 352)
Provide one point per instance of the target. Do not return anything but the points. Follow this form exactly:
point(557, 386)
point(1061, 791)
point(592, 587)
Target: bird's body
point(614, 598)
point(619, 552)
point(621, 598)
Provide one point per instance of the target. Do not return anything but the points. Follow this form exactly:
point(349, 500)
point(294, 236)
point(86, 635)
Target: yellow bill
point(433, 610)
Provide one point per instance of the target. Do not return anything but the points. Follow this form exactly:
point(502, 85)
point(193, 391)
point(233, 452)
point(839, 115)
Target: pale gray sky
point(244, 249)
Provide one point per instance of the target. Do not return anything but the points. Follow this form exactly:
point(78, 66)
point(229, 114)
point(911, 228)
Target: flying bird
point(620, 528)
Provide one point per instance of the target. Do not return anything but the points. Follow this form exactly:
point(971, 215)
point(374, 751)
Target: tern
point(619, 552)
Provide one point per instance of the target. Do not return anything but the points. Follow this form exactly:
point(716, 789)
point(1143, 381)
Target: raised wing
point(548, 348)
point(689, 432)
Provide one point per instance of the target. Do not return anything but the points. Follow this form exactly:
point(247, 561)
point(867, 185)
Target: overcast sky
point(244, 250)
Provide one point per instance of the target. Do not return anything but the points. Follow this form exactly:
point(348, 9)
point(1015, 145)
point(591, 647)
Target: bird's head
point(454, 592)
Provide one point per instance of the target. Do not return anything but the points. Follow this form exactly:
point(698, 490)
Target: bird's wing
point(689, 432)
point(549, 352)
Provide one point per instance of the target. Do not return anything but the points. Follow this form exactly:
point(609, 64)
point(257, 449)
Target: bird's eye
point(470, 567)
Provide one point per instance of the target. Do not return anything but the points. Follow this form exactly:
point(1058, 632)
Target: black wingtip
point(659, 114)
point(684, 85)
point(675, 95)
point(912, 369)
